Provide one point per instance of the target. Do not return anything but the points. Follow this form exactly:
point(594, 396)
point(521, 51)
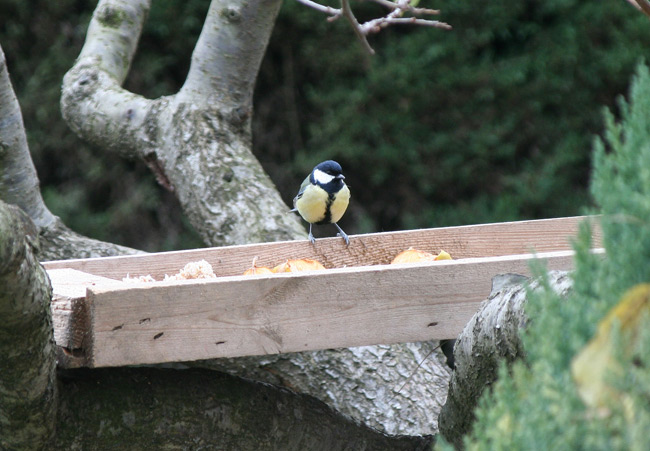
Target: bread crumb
point(193, 270)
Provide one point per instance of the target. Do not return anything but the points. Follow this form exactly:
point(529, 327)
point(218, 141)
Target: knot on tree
point(84, 82)
point(231, 14)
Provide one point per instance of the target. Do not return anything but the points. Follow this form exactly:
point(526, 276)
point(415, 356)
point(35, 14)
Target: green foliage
point(41, 40)
point(536, 404)
point(489, 121)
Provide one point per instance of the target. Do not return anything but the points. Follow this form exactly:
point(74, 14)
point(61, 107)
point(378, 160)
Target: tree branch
point(197, 142)
point(641, 5)
point(395, 389)
point(228, 54)
point(361, 35)
point(19, 186)
point(334, 12)
point(92, 101)
point(491, 336)
point(28, 394)
point(192, 409)
point(18, 180)
point(394, 17)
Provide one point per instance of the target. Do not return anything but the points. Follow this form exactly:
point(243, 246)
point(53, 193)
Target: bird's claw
point(343, 235)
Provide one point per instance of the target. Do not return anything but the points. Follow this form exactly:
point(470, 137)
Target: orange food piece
point(416, 256)
point(257, 270)
point(302, 264)
point(413, 256)
point(254, 269)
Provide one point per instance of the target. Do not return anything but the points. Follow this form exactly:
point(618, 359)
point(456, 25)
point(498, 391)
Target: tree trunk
point(198, 141)
point(27, 361)
point(491, 336)
point(154, 408)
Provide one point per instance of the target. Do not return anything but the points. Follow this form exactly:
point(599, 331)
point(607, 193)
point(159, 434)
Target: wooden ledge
point(102, 321)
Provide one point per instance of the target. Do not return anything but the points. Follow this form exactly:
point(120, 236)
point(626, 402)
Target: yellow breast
point(340, 203)
point(313, 203)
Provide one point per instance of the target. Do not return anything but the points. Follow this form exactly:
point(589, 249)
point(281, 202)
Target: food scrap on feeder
point(412, 255)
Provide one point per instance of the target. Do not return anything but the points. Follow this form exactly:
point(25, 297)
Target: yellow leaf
point(597, 361)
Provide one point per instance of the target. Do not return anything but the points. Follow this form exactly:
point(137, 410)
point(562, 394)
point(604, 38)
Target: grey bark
point(490, 337)
point(19, 185)
point(148, 408)
point(27, 359)
point(382, 386)
point(198, 141)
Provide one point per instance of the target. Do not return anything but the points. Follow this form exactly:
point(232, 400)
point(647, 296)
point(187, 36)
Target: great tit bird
point(323, 197)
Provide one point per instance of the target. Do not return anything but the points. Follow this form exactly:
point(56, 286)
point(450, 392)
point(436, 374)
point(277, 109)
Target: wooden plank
point(70, 316)
point(255, 315)
point(484, 240)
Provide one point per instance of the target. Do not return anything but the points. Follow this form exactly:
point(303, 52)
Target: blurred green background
point(491, 121)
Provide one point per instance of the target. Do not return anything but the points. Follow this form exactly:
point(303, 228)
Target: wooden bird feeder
point(360, 299)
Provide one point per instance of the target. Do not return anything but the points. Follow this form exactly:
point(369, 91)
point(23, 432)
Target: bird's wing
point(304, 185)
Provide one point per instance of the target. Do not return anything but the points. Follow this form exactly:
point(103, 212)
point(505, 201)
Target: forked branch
point(396, 16)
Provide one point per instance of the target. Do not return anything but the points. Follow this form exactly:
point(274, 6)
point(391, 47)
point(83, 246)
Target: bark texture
point(198, 141)
point(19, 186)
point(492, 335)
point(148, 408)
point(382, 386)
point(27, 359)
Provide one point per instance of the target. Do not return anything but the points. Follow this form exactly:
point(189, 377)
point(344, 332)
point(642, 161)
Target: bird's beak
point(340, 176)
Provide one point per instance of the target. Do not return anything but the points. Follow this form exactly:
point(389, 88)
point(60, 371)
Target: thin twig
point(645, 6)
point(375, 25)
point(406, 6)
point(347, 12)
point(322, 8)
point(394, 17)
point(641, 5)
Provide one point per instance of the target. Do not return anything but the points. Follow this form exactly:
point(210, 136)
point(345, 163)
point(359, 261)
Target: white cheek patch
point(322, 177)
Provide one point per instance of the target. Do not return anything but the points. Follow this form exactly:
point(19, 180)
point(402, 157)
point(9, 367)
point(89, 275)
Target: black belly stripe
point(327, 219)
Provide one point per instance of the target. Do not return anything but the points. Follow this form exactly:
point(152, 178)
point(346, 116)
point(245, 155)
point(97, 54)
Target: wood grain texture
point(360, 301)
point(256, 315)
point(69, 313)
point(484, 240)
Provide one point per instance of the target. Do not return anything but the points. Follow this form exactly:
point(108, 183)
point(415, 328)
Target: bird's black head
point(328, 175)
point(330, 167)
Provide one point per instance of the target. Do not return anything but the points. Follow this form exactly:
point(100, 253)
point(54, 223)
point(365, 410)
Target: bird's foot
point(343, 235)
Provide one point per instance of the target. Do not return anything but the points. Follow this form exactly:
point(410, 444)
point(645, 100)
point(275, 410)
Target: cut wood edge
point(70, 316)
